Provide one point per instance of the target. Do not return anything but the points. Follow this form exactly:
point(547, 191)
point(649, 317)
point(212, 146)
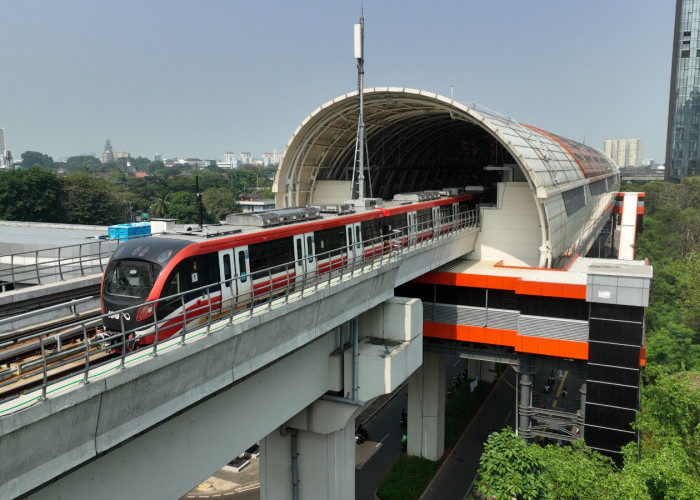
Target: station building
point(533, 292)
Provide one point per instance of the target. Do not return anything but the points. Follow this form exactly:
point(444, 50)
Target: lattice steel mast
point(360, 141)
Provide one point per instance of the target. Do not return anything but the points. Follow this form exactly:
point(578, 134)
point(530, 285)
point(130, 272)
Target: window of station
point(574, 200)
point(607, 439)
point(554, 307)
point(618, 332)
point(461, 296)
point(605, 416)
point(622, 313)
point(613, 354)
point(615, 374)
point(422, 291)
point(503, 299)
point(613, 395)
point(599, 187)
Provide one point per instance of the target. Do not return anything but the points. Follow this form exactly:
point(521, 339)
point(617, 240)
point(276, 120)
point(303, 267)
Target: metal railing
point(50, 265)
point(96, 355)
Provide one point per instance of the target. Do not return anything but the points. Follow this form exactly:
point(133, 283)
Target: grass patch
point(460, 409)
point(409, 476)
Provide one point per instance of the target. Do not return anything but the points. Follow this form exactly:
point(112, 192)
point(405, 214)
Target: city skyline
point(198, 79)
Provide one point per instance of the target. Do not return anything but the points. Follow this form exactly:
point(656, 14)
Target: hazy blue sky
point(198, 78)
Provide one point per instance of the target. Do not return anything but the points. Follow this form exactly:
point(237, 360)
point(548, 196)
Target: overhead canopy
point(419, 140)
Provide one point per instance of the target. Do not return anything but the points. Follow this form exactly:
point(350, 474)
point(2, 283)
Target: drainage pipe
point(295, 465)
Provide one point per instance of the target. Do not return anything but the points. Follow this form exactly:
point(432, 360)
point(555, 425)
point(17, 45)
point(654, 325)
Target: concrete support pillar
point(426, 408)
point(525, 397)
point(299, 464)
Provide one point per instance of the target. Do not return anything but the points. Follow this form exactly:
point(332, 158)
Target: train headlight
point(144, 312)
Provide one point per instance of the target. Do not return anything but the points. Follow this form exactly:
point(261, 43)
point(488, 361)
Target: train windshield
point(130, 278)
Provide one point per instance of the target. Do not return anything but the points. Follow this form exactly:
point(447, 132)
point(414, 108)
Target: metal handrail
point(337, 266)
point(53, 264)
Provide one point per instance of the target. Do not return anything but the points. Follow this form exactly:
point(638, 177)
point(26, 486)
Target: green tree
point(84, 163)
point(575, 471)
point(90, 200)
point(159, 207)
point(183, 207)
point(220, 202)
point(510, 469)
point(30, 195)
point(30, 158)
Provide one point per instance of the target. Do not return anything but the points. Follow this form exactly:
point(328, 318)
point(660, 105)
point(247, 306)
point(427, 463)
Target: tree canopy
point(92, 192)
point(30, 195)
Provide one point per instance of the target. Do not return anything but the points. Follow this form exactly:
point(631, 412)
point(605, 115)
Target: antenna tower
point(360, 140)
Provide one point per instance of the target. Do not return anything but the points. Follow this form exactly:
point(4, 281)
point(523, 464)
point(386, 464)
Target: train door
point(412, 218)
point(437, 223)
point(244, 283)
point(226, 269)
point(304, 256)
point(353, 236)
point(234, 263)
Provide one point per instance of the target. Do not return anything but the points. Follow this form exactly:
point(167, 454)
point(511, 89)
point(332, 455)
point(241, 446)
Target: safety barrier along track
point(90, 357)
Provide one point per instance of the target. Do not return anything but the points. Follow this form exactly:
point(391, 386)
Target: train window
point(310, 247)
point(423, 217)
point(330, 239)
point(241, 265)
point(130, 278)
point(349, 237)
point(227, 270)
point(358, 237)
point(173, 285)
point(259, 257)
point(397, 222)
point(281, 253)
point(372, 229)
point(206, 267)
point(300, 251)
point(270, 257)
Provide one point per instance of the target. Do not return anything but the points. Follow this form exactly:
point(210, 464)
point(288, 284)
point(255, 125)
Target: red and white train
point(181, 278)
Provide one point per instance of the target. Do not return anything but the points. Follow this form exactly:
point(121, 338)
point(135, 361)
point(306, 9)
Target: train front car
point(128, 286)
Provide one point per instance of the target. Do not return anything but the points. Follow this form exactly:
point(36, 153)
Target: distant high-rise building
point(624, 152)
point(246, 158)
point(683, 135)
point(157, 157)
point(2, 149)
point(108, 153)
point(229, 160)
point(268, 158)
